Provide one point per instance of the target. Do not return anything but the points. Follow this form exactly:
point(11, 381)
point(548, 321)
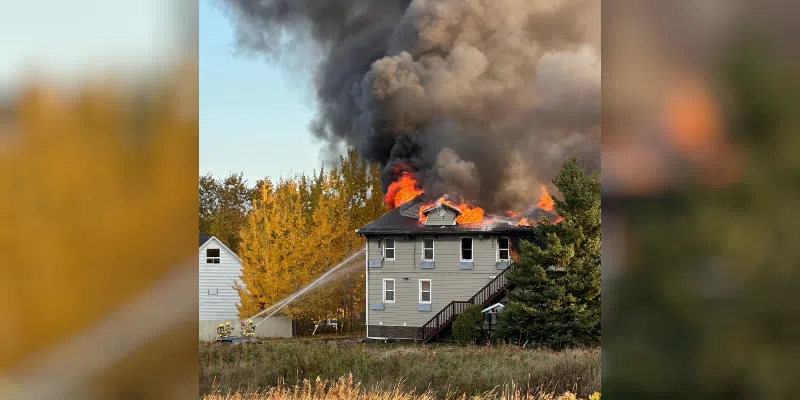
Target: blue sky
point(61, 42)
point(253, 118)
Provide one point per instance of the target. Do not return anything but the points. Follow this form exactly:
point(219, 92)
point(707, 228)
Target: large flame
point(402, 190)
point(470, 214)
point(545, 201)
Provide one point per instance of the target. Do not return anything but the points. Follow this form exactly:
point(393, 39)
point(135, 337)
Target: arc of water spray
point(297, 294)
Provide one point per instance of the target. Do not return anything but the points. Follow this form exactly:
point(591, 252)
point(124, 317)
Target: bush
point(467, 326)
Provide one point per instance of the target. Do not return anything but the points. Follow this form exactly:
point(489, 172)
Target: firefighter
point(220, 330)
point(228, 328)
point(251, 330)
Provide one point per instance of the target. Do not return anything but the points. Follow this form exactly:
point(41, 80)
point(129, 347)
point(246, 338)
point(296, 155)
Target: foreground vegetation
point(346, 388)
point(440, 371)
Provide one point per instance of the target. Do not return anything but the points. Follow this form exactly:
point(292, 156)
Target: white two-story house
point(421, 275)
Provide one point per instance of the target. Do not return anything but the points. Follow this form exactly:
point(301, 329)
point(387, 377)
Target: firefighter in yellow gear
point(228, 329)
point(250, 330)
point(220, 331)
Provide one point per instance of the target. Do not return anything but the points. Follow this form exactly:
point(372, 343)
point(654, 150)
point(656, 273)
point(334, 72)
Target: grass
point(440, 370)
point(346, 388)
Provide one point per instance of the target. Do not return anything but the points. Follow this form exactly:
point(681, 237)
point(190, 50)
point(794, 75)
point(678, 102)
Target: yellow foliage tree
point(274, 251)
point(99, 191)
point(300, 229)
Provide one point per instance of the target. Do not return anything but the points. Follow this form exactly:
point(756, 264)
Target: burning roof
point(411, 212)
point(406, 219)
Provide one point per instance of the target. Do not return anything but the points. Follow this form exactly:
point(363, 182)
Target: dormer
point(442, 214)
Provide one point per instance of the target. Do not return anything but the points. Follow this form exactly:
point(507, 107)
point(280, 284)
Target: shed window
point(212, 256)
point(388, 290)
point(388, 250)
point(427, 249)
point(502, 249)
point(213, 292)
point(466, 249)
point(425, 291)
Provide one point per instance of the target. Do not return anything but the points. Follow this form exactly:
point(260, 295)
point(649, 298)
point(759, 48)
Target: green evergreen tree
point(557, 303)
point(208, 201)
point(224, 207)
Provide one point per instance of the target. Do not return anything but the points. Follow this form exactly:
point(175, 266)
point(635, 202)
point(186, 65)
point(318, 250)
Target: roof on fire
point(405, 219)
point(443, 205)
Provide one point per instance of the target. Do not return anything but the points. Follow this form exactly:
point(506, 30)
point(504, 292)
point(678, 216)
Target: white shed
point(219, 269)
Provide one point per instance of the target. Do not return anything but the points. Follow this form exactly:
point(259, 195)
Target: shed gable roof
point(205, 239)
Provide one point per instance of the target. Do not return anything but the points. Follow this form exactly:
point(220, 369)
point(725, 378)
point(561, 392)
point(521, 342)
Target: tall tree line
point(291, 231)
point(224, 207)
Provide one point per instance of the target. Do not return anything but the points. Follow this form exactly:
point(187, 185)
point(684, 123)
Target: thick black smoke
point(483, 98)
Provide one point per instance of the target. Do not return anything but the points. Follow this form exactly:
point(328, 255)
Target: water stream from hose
point(322, 279)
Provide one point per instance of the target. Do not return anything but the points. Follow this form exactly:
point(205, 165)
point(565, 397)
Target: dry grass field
point(346, 388)
point(336, 370)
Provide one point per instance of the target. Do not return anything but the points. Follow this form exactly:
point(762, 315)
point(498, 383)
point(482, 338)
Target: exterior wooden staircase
point(489, 294)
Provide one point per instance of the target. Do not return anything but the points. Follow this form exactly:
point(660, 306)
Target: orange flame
point(523, 222)
point(422, 217)
point(402, 190)
point(469, 214)
point(545, 201)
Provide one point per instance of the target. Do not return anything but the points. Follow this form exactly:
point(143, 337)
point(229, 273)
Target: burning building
point(467, 105)
point(428, 261)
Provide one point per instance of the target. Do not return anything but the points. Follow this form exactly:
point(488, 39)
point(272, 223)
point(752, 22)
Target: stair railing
point(448, 314)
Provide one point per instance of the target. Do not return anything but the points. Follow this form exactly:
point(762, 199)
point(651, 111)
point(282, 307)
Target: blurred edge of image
point(700, 168)
point(98, 175)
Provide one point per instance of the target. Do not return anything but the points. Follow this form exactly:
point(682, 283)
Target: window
point(388, 250)
point(388, 290)
point(427, 249)
point(466, 249)
point(212, 256)
point(213, 292)
point(502, 249)
point(425, 291)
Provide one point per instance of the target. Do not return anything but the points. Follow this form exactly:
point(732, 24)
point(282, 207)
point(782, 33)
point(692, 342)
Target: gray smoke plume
point(480, 98)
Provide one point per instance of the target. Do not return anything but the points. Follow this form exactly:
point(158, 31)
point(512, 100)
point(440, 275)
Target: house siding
point(448, 281)
point(221, 277)
point(447, 218)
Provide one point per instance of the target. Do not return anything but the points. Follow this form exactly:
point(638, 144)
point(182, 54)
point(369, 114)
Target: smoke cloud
point(481, 98)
